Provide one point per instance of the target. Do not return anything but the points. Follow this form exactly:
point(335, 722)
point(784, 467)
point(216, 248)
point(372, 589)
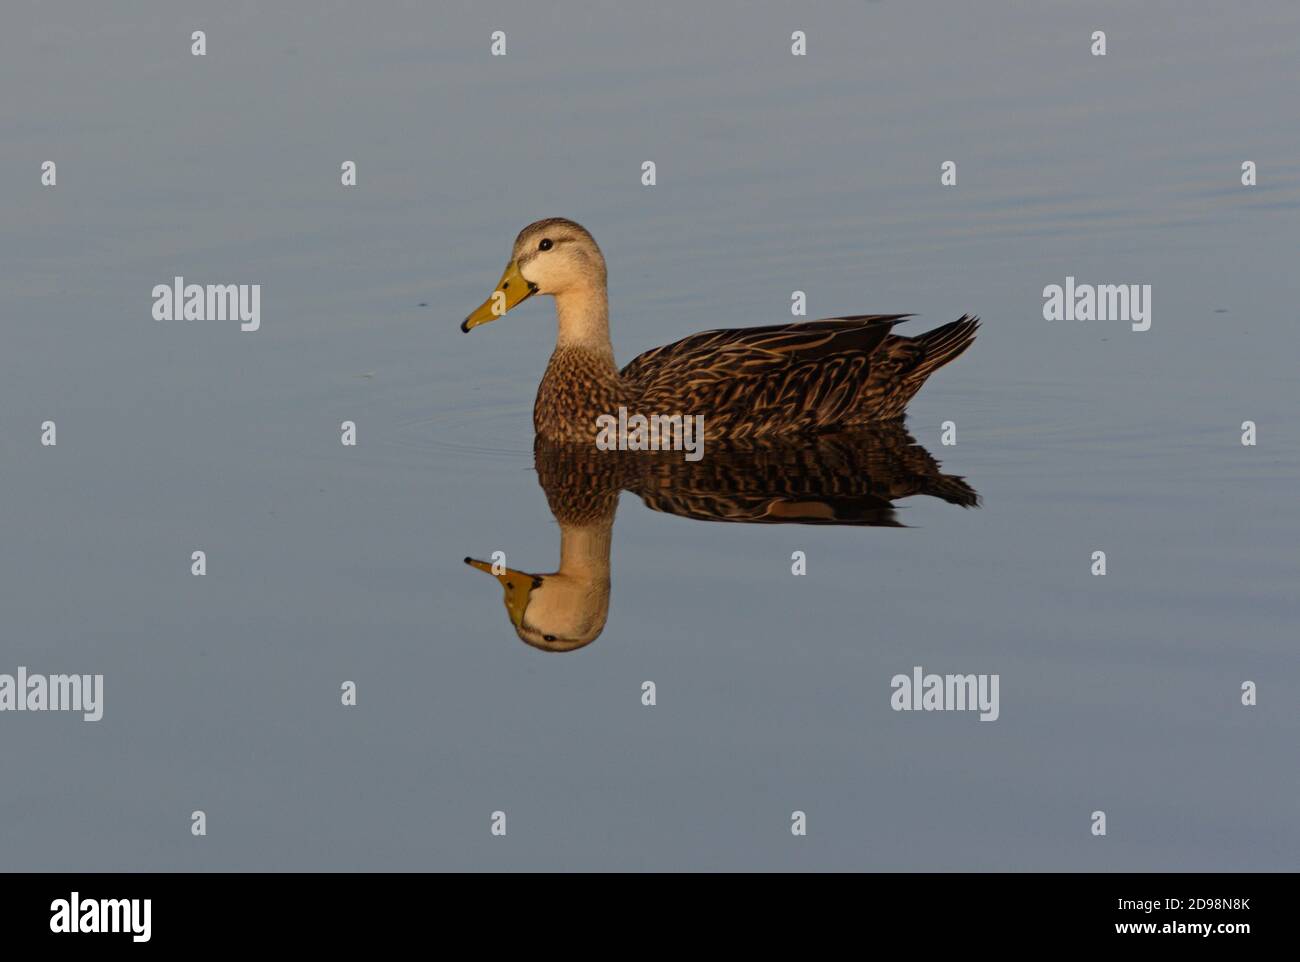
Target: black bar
point(373, 910)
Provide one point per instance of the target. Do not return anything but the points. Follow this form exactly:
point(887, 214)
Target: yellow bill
point(518, 586)
point(512, 289)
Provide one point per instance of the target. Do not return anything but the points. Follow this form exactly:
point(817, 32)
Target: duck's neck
point(584, 550)
point(583, 314)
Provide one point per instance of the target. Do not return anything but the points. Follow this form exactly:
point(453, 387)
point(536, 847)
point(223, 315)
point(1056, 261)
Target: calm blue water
point(775, 174)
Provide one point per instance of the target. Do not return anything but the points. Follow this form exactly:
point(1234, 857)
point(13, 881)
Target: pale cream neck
point(583, 320)
point(584, 550)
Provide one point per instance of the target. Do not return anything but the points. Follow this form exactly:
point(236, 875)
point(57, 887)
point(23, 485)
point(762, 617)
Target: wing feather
point(752, 380)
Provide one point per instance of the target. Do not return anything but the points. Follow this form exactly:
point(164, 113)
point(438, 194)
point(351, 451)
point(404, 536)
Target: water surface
point(775, 174)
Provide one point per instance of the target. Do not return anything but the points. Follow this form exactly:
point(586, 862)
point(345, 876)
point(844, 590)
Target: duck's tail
point(942, 345)
point(902, 365)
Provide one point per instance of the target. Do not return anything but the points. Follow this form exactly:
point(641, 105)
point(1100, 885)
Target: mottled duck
point(786, 379)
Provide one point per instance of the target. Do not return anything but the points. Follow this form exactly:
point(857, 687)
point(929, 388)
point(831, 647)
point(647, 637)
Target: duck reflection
point(841, 479)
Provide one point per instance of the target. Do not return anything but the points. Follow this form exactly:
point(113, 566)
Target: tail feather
point(944, 344)
point(901, 365)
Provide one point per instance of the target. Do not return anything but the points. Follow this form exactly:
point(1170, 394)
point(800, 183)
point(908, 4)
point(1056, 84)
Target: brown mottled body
point(578, 387)
point(758, 382)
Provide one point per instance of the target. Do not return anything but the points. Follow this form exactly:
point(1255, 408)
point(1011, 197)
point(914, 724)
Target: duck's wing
point(749, 381)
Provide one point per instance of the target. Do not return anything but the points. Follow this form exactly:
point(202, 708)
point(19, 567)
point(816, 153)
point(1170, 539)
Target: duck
point(846, 479)
point(807, 377)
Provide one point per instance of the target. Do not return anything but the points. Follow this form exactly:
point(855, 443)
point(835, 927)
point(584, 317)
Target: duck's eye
point(548, 637)
point(545, 245)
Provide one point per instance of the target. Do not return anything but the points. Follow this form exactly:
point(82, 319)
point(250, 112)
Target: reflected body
point(850, 479)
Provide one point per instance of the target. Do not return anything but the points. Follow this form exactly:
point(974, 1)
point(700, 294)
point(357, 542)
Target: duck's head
point(554, 612)
point(552, 256)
